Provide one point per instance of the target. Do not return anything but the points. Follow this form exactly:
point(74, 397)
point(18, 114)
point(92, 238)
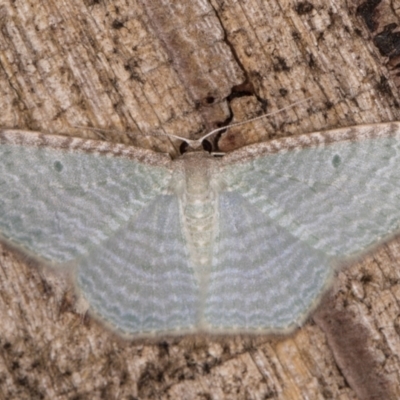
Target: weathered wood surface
point(183, 67)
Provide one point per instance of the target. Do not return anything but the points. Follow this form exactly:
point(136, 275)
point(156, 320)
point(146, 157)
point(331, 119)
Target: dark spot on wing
point(336, 160)
point(58, 166)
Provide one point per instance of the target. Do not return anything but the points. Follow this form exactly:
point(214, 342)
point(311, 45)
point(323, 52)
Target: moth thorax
point(199, 214)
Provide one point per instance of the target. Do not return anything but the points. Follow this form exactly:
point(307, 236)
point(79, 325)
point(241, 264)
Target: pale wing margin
point(338, 191)
point(61, 196)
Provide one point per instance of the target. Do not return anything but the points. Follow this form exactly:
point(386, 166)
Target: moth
point(243, 243)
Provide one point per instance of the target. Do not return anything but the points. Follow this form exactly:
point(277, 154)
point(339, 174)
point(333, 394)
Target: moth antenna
point(99, 130)
point(253, 119)
point(195, 144)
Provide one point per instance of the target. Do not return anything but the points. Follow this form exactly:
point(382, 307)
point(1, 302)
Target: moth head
point(190, 146)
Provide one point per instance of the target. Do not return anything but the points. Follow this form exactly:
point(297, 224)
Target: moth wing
point(141, 280)
point(293, 207)
point(62, 197)
point(338, 191)
point(262, 277)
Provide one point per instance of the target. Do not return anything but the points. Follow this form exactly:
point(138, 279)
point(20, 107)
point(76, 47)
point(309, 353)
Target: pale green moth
point(243, 243)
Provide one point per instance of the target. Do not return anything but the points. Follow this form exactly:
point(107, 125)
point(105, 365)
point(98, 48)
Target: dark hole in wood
point(210, 99)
